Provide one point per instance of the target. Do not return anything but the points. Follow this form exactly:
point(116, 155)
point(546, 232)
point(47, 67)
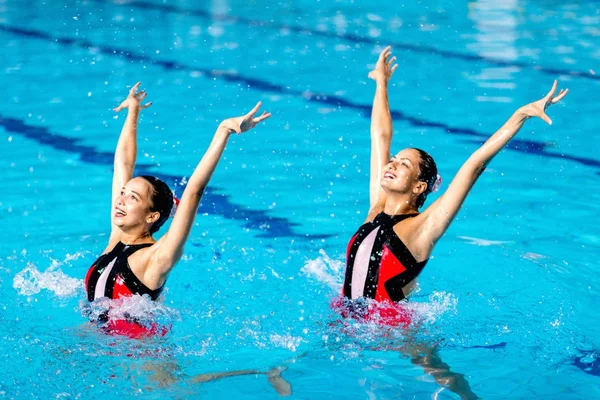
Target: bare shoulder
point(113, 240)
point(373, 212)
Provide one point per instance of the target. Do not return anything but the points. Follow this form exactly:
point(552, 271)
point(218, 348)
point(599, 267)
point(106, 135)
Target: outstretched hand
point(134, 99)
point(245, 122)
point(538, 108)
point(385, 67)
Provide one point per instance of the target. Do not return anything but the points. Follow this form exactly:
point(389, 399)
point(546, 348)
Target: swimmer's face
point(401, 174)
point(132, 206)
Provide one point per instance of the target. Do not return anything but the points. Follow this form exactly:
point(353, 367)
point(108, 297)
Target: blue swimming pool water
point(509, 297)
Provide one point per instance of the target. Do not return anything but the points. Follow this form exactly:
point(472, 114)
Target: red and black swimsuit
point(111, 277)
point(378, 266)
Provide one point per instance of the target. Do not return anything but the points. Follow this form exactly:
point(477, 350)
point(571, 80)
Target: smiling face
point(401, 174)
point(132, 206)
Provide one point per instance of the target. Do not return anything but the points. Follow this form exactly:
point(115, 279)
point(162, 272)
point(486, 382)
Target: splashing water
point(140, 308)
point(31, 281)
point(325, 270)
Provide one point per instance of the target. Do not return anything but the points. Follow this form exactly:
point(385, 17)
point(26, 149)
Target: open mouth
point(119, 213)
point(389, 175)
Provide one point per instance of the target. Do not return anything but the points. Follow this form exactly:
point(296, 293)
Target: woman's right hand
point(384, 69)
point(134, 99)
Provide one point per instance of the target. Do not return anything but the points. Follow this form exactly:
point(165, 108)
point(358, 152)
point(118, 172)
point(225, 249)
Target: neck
point(399, 204)
point(130, 238)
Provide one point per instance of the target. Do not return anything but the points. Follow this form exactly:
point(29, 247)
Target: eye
point(405, 164)
point(134, 198)
point(122, 192)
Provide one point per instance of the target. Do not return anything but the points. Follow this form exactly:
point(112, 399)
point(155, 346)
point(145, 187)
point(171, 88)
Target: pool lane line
point(416, 48)
point(519, 145)
point(213, 199)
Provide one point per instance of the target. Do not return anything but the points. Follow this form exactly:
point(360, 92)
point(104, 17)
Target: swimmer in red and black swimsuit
point(393, 245)
point(134, 263)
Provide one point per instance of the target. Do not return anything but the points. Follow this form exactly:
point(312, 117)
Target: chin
point(387, 185)
point(118, 222)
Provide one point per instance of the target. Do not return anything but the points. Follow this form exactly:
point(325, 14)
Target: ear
point(152, 217)
point(419, 188)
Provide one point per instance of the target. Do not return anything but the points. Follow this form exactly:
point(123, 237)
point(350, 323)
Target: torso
point(111, 275)
point(379, 265)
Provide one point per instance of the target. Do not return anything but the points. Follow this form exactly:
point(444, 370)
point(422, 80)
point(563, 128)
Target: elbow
point(477, 164)
point(381, 133)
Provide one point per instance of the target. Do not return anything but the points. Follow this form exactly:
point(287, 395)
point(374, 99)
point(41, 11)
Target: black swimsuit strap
point(132, 248)
point(386, 219)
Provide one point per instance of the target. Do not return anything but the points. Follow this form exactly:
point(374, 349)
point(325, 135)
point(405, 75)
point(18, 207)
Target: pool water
point(508, 298)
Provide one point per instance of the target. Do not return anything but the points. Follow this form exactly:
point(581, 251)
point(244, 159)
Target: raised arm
point(126, 151)
point(440, 214)
point(170, 247)
point(381, 129)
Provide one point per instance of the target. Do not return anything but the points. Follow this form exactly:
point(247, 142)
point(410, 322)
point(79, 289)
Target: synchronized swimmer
point(391, 248)
point(133, 262)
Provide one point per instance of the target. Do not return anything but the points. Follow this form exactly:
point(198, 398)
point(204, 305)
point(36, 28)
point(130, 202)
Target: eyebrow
point(404, 158)
point(133, 191)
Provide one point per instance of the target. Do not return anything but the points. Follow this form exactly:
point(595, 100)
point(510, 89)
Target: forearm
point(498, 140)
point(203, 172)
point(125, 154)
point(381, 119)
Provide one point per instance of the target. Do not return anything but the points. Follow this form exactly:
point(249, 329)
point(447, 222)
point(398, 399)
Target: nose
point(121, 199)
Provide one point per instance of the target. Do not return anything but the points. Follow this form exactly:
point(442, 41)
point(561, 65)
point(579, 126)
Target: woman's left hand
point(538, 108)
point(245, 122)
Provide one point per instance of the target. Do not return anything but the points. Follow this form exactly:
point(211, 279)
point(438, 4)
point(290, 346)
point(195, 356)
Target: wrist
point(522, 113)
point(381, 82)
point(223, 130)
point(134, 110)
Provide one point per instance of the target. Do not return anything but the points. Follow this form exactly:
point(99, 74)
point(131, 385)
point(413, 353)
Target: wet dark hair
point(161, 198)
point(428, 174)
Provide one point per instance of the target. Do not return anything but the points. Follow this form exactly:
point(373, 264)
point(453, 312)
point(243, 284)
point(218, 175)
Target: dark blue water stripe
point(415, 48)
point(520, 145)
point(213, 200)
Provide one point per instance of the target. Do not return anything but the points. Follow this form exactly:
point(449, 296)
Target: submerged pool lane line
point(416, 48)
point(519, 145)
point(213, 200)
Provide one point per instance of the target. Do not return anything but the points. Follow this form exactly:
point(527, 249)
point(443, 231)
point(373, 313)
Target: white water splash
point(286, 341)
point(325, 270)
point(438, 304)
point(31, 281)
point(138, 307)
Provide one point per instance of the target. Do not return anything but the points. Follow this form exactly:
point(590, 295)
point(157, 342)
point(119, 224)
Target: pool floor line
point(519, 145)
point(416, 48)
point(213, 200)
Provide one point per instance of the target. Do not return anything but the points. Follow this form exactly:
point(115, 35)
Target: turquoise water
point(508, 298)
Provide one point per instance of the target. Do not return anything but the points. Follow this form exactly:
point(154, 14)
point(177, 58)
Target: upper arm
point(380, 156)
point(169, 248)
point(439, 215)
point(121, 175)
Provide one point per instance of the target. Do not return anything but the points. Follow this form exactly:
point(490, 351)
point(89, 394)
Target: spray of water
point(31, 281)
